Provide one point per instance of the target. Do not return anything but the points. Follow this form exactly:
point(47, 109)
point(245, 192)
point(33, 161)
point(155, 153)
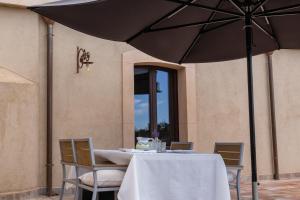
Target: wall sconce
point(83, 58)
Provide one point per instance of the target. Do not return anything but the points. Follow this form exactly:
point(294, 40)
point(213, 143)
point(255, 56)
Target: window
point(155, 103)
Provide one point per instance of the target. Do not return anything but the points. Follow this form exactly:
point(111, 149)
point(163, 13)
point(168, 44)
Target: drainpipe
point(273, 117)
point(49, 163)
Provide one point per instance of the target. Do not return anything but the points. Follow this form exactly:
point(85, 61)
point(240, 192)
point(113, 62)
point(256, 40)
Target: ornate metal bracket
point(83, 58)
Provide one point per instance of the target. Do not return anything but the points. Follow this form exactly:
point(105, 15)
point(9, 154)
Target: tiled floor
point(268, 190)
point(273, 190)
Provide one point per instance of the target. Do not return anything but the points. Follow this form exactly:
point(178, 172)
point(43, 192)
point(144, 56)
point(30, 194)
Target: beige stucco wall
point(85, 104)
point(287, 95)
point(22, 127)
point(88, 103)
point(19, 137)
point(222, 105)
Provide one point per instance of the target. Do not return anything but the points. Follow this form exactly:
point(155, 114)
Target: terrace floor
point(272, 190)
point(268, 190)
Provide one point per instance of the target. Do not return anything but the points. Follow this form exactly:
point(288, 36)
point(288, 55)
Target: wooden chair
point(85, 158)
point(232, 154)
point(181, 146)
point(67, 159)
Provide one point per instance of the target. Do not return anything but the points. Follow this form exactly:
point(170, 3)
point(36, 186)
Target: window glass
point(163, 112)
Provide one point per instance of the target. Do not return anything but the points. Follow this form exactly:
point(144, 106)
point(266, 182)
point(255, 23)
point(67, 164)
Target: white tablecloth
point(169, 176)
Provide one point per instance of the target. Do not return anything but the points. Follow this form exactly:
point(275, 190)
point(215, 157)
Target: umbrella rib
point(198, 37)
point(180, 10)
point(205, 7)
point(220, 26)
point(145, 29)
point(278, 10)
point(202, 31)
point(195, 40)
point(260, 4)
point(280, 14)
point(267, 33)
point(266, 18)
point(195, 24)
point(237, 6)
point(269, 22)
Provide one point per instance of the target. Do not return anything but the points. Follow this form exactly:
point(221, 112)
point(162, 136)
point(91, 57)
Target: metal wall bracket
point(83, 59)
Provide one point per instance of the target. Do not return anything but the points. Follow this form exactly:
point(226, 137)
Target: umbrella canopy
point(189, 31)
point(197, 31)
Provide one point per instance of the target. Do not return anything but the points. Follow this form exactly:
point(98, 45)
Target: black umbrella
point(189, 31)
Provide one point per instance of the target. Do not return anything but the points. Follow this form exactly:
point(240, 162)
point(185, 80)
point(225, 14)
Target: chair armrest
point(237, 167)
point(109, 167)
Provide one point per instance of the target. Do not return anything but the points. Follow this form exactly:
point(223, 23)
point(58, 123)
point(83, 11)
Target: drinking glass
point(158, 146)
point(163, 147)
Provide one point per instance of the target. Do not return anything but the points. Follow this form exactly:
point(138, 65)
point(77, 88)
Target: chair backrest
point(232, 153)
point(84, 152)
point(181, 146)
point(67, 151)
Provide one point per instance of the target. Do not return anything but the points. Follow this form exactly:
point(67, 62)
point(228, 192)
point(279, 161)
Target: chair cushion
point(105, 178)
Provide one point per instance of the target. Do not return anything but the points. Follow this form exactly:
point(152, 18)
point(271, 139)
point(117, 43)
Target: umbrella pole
point(249, 35)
